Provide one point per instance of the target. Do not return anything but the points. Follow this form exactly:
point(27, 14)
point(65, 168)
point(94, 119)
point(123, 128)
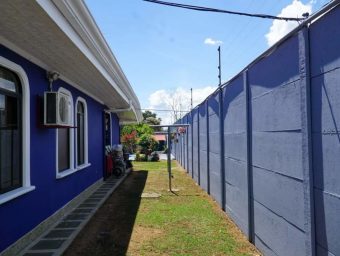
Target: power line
point(234, 27)
point(229, 44)
point(244, 27)
point(251, 31)
point(207, 9)
point(150, 109)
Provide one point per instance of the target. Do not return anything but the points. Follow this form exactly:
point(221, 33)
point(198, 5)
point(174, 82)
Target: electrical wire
point(251, 31)
point(213, 58)
point(207, 9)
point(156, 110)
point(240, 31)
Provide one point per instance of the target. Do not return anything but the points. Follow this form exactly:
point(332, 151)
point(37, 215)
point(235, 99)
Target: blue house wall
point(22, 214)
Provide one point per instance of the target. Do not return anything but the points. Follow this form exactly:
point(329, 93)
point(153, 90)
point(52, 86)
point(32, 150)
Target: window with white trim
point(81, 133)
point(65, 145)
point(10, 131)
point(14, 132)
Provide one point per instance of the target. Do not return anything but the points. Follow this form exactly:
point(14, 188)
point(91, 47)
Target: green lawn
point(186, 223)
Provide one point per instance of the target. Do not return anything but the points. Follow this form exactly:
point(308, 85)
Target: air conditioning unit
point(57, 109)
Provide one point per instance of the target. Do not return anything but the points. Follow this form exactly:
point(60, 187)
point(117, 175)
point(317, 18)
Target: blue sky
point(161, 47)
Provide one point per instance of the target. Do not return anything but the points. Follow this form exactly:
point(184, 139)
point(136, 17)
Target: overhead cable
point(150, 109)
point(207, 9)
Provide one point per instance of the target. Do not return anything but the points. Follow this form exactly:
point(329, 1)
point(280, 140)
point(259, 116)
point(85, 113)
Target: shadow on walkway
point(109, 231)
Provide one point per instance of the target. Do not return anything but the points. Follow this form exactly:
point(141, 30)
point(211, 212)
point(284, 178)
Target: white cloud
point(281, 28)
point(212, 42)
point(160, 99)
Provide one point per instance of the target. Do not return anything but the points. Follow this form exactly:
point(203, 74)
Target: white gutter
point(113, 110)
point(125, 120)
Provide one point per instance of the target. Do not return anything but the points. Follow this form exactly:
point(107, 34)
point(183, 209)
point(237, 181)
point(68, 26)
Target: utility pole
point(180, 111)
point(219, 66)
point(191, 99)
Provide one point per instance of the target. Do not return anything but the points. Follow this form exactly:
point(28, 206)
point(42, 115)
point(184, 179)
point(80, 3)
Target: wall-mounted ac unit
point(57, 109)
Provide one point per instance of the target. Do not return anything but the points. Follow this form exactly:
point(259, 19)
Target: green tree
point(153, 121)
point(140, 129)
point(148, 141)
point(147, 114)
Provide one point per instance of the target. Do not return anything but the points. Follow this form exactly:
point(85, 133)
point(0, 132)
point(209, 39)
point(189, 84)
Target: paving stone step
point(96, 196)
point(87, 205)
point(39, 254)
point(76, 217)
point(96, 200)
point(82, 211)
point(68, 224)
point(48, 244)
point(59, 233)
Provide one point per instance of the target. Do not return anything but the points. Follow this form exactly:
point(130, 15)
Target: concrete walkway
point(165, 157)
point(161, 157)
point(57, 239)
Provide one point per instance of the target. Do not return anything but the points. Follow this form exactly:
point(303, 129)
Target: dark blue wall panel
point(195, 144)
point(274, 232)
point(185, 145)
point(277, 149)
point(235, 152)
point(203, 150)
point(215, 148)
point(190, 145)
point(325, 69)
point(266, 138)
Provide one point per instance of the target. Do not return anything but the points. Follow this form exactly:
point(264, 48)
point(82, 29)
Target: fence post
point(198, 147)
point(306, 130)
point(192, 145)
point(251, 231)
point(207, 134)
point(222, 149)
point(187, 133)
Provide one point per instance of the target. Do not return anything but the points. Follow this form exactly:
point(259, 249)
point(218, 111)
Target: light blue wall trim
point(251, 233)
point(207, 134)
point(222, 149)
point(306, 130)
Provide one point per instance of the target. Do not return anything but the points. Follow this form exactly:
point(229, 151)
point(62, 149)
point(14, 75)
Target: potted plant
point(148, 141)
point(155, 157)
point(137, 155)
point(182, 130)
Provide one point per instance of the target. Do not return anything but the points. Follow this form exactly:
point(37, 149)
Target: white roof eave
point(75, 19)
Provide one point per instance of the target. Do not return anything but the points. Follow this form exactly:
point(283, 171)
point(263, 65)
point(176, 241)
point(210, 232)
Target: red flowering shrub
point(129, 140)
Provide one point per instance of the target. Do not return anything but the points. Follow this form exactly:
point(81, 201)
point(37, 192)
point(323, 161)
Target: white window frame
point(86, 152)
point(26, 174)
point(60, 175)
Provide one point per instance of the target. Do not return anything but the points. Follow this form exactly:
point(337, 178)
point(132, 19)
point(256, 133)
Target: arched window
point(81, 134)
point(14, 132)
point(10, 131)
